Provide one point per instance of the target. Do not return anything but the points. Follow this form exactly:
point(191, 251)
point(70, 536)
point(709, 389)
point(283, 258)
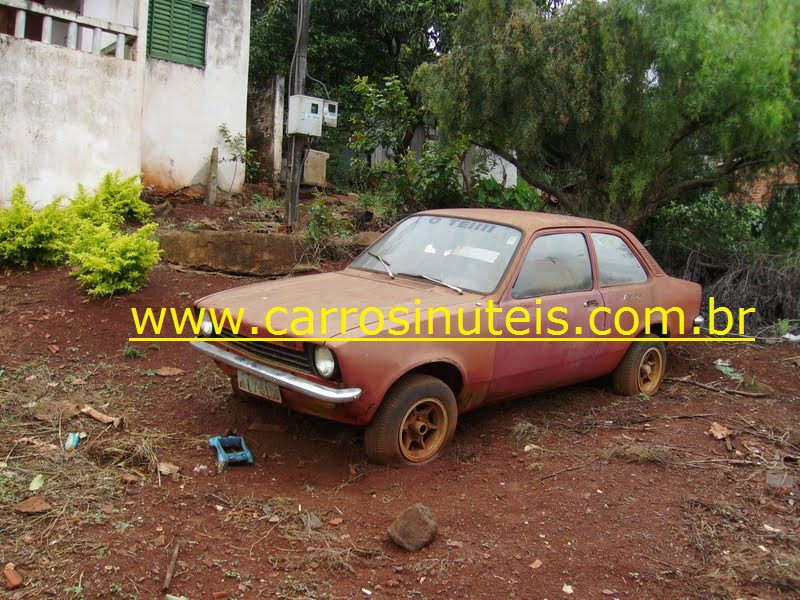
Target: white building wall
point(66, 117)
point(184, 105)
point(69, 116)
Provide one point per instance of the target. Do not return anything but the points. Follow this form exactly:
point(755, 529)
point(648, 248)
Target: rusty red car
point(410, 392)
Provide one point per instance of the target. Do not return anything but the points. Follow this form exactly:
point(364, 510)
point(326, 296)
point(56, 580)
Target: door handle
point(589, 303)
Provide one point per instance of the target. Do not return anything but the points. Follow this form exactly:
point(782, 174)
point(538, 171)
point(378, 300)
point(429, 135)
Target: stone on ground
point(414, 528)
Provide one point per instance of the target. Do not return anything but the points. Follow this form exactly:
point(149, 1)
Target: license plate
point(258, 387)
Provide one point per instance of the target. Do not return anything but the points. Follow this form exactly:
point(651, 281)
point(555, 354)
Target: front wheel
point(642, 368)
point(414, 423)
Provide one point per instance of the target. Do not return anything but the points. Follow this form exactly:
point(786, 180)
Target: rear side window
point(616, 263)
point(556, 263)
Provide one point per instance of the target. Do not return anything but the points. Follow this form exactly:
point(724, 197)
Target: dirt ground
point(576, 493)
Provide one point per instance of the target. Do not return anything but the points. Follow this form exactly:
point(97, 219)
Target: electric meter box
point(331, 114)
point(305, 115)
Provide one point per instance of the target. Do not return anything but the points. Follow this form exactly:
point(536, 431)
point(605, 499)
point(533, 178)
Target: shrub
point(110, 262)
point(115, 200)
point(491, 193)
point(28, 236)
point(711, 229)
point(325, 221)
point(86, 233)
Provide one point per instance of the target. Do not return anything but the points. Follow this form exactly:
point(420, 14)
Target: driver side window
point(556, 263)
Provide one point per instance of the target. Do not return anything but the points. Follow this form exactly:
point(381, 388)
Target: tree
point(617, 108)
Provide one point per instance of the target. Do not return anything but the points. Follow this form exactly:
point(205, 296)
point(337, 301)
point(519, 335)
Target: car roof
point(527, 220)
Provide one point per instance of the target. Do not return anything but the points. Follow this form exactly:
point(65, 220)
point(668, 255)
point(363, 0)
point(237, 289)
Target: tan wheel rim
point(650, 371)
point(424, 429)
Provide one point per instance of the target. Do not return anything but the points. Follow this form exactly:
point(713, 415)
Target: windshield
point(461, 252)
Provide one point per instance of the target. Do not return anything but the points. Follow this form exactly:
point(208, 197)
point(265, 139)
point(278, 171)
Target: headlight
point(324, 361)
point(206, 326)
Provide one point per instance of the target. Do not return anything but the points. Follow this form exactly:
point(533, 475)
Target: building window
point(177, 31)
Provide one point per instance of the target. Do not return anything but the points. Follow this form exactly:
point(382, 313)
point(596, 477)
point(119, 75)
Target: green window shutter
point(177, 31)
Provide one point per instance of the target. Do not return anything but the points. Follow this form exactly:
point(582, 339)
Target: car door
point(623, 282)
point(555, 279)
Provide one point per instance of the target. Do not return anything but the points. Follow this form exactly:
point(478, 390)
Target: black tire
point(402, 422)
point(629, 378)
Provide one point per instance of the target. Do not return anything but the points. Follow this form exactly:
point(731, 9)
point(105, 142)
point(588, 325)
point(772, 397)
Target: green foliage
point(431, 181)
point(712, 227)
point(240, 154)
point(132, 352)
point(110, 262)
point(84, 232)
point(382, 204)
point(617, 108)
point(491, 193)
point(28, 236)
point(379, 38)
point(387, 118)
point(782, 220)
point(115, 200)
point(325, 222)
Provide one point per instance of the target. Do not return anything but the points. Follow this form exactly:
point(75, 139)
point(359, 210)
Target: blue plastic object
point(230, 449)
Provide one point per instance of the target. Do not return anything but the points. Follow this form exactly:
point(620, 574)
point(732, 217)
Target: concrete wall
point(66, 117)
point(184, 106)
point(69, 116)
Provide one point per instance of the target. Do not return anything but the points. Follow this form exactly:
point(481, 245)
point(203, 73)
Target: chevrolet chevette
point(448, 311)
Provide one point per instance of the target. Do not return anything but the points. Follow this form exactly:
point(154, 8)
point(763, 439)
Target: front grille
point(271, 353)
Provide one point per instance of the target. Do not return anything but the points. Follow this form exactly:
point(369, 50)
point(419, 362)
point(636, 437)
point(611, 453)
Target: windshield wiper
point(383, 262)
point(434, 280)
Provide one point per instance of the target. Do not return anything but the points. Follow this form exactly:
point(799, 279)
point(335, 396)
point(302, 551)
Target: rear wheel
point(642, 369)
point(414, 423)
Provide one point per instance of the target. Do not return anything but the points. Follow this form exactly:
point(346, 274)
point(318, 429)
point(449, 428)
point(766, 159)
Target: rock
point(169, 372)
point(366, 238)
point(414, 528)
point(33, 506)
point(53, 412)
point(779, 481)
point(755, 386)
point(165, 210)
point(243, 252)
point(567, 589)
point(314, 522)
point(13, 579)
point(336, 521)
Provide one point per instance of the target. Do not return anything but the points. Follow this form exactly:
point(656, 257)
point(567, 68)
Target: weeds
point(132, 352)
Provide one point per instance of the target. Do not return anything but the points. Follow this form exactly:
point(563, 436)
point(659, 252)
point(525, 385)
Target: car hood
point(343, 289)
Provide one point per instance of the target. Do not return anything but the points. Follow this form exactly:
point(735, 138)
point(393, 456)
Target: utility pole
point(297, 142)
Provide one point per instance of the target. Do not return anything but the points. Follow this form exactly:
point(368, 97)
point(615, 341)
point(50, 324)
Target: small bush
point(86, 232)
point(489, 193)
point(28, 236)
point(115, 200)
point(325, 221)
point(110, 262)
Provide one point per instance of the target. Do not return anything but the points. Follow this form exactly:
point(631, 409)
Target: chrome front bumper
point(284, 380)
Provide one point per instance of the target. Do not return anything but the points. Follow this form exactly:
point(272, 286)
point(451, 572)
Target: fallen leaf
point(33, 506)
point(128, 478)
point(166, 468)
point(169, 372)
point(60, 410)
point(53, 348)
point(36, 483)
point(719, 432)
point(535, 564)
